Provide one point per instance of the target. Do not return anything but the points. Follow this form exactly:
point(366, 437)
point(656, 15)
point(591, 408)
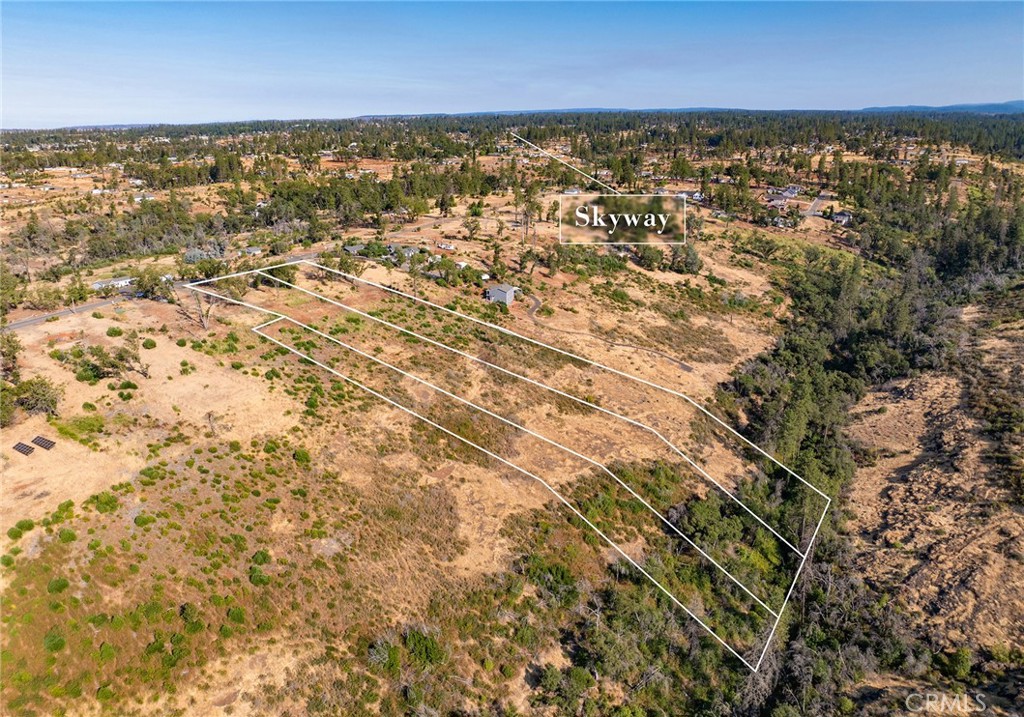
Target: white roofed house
point(842, 218)
point(502, 293)
point(118, 282)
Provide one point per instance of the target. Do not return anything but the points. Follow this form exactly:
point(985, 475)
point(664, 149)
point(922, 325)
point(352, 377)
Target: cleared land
point(565, 424)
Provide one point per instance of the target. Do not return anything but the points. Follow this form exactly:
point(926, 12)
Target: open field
point(381, 490)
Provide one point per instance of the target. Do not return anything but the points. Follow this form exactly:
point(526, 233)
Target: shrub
point(66, 535)
point(236, 614)
point(257, 577)
point(181, 342)
point(424, 649)
point(107, 652)
point(7, 561)
point(149, 344)
point(114, 331)
point(301, 456)
point(25, 525)
point(261, 557)
point(57, 585)
point(143, 520)
point(88, 406)
point(105, 502)
point(53, 641)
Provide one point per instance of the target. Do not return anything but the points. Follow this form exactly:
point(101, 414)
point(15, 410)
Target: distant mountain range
point(991, 108)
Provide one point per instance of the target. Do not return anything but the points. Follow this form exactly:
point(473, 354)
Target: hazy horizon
point(88, 64)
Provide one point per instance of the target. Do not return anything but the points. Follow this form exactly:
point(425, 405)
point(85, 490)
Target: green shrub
point(105, 502)
point(88, 406)
point(114, 331)
point(424, 649)
point(53, 641)
point(143, 520)
point(261, 557)
point(25, 525)
point(66, 535)
point(57, 585)
point(181, 342)
point(301, 456)
point(236, 614)
point(257, 577)
point(13, 533)
point(107, 652)
point(7, 561)
point(149, 344)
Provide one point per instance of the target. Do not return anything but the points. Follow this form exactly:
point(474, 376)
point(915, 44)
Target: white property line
point(546, 387)
point(194, 286)
point(575, 169)
point(563, 352)
point(522, 428)
point(521, 470)
point(792, 585)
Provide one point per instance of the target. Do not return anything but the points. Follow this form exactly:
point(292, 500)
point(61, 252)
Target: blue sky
point(104, 63)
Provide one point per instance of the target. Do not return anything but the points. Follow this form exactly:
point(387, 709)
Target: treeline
point(592, 135)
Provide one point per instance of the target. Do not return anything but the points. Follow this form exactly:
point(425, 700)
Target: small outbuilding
point(502, 293)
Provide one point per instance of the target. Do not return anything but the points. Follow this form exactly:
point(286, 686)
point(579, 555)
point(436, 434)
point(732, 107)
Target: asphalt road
point(43, 318)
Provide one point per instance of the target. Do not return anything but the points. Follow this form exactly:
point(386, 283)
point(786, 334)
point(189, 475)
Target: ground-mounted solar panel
point(23, 448)
point(44, 443)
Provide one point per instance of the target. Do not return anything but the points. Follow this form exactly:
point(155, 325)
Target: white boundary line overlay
point(544, 386)
point(611, 242)
point(805, 555)
point(557, 159)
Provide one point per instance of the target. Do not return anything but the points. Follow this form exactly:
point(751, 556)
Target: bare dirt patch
point(929, 523)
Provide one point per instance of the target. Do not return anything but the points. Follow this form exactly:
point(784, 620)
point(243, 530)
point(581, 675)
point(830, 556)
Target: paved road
point(42, 318)
point(100, 303)
point(812, 211)
point(532, 313)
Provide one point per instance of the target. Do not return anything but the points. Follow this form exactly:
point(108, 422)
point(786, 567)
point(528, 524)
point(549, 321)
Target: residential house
point(119, 282)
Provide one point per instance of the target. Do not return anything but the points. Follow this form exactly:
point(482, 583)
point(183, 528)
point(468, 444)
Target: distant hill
point(992, 108)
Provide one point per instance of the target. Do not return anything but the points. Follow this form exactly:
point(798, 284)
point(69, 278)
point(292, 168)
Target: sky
point(83, 63)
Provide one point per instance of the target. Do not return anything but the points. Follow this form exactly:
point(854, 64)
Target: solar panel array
point(23, 448)
point(44, 443)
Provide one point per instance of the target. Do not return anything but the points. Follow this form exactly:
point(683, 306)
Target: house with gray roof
point(502, 293)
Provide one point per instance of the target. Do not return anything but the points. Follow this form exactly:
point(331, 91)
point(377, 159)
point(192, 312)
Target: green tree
point(10, 347)
point(151, 284)
point(39, 395)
